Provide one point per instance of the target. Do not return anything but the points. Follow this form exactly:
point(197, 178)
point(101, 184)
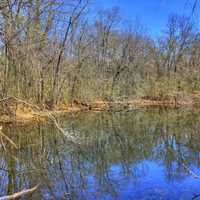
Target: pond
point(139, 155)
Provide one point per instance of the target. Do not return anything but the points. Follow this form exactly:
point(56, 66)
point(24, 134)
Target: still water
point(138, 155)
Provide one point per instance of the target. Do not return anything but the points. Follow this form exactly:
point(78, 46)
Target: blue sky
point(153, 14)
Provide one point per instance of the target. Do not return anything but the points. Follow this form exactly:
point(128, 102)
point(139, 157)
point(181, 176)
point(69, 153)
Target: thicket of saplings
point(60, 51)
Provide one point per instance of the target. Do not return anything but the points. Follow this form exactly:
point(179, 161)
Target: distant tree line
point(55, 50)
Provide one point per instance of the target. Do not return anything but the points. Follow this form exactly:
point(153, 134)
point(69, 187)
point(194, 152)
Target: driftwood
point(19, 194)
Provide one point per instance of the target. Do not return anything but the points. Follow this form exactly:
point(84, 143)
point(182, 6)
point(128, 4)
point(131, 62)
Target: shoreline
point(24, 114)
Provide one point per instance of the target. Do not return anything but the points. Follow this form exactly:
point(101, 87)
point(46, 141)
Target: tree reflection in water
point(120, 155)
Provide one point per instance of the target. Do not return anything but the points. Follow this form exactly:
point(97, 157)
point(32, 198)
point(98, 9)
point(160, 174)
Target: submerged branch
point(47, 113)
point(19, 194)
point(194, 175)
point(8, 139)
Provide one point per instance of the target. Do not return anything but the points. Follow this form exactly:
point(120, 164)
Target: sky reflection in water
point(129, 155)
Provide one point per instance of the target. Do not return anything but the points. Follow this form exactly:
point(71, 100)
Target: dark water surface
point(138, 155)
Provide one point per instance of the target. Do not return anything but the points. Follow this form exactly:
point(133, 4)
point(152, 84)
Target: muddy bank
point(24, 112)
